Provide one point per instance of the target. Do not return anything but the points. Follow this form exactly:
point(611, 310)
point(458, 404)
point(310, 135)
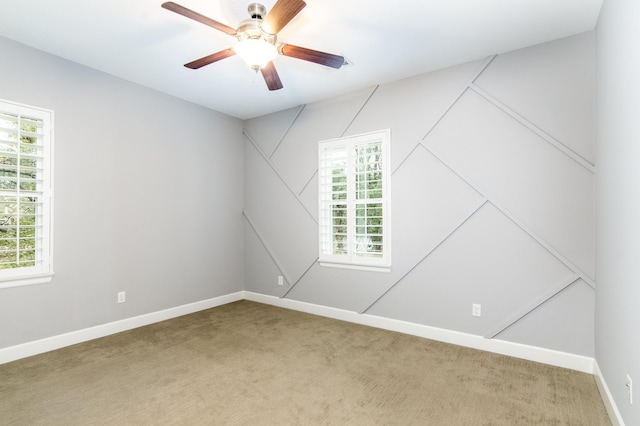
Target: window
point(26, 138)
point(354, 202)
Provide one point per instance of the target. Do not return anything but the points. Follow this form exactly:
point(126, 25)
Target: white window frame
point(42, 271)
point(343, 151)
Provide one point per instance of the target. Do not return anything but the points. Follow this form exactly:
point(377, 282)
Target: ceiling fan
point(257, 39)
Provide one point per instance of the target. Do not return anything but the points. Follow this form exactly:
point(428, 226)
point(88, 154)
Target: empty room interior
point(422, 212)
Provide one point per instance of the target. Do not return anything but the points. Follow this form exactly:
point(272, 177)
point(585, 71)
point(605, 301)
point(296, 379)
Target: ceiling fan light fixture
point(256, 52)
point(257, 39)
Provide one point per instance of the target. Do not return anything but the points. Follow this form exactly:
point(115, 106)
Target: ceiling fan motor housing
point(256, 10)
point(251, 29)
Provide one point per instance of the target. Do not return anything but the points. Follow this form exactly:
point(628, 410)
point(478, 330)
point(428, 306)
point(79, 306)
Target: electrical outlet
point(280, 280)
point(121, 297)
point(476, 310)
point(629, 386)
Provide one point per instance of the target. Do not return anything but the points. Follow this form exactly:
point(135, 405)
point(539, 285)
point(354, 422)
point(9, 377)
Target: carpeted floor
point(251, 364)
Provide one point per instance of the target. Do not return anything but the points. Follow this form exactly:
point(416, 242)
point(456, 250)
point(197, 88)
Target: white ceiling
point(386, 41)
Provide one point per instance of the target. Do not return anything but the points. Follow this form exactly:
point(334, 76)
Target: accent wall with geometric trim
point(492, 198)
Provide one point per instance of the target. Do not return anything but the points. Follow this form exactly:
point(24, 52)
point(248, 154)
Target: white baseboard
point(607, 398)
point(532, 353)
point(24, 350)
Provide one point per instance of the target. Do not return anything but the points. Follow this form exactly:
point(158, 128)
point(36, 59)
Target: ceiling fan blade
point(209, 59)
point(322, 58)
point(271, 76)
point(181, 10)
point(280, 14)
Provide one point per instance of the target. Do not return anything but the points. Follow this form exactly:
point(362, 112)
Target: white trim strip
point(607, 398)
point(532, 306)
point(471, 80)
point(453, 231)
point(295, 283)
point(284, 135)
point(531, 353)
point(19, 281)
point(36, 347)
point(541, 241)
point(535, 129)
point(266, 246)
point(277, 172)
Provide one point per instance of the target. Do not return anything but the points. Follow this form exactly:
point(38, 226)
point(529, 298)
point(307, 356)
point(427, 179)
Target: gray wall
point(148, 199)
point(492, 198)
point(618, 194)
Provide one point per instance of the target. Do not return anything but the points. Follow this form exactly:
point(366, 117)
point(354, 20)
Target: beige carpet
point(251, 364)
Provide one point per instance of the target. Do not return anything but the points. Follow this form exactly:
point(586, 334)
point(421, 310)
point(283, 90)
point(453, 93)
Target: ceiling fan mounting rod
point(256, 10)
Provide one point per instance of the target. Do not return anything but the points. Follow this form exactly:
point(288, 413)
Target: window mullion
point(351, 211)
point(18, 200)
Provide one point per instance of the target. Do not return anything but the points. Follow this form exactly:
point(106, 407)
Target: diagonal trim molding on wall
point(355, 116)
point(578, 273)
point(535, 129)
point(473, 78)
point(519, 223)
point(300, 278)
point(274, 257)
point(453, 231)
point(532, 127)
point(462, 85)
point(268, 160)
point(526, 310)
point(275, 170)
point(306, 185)
point(342, 134)
point(270, 252)
point(288, 128)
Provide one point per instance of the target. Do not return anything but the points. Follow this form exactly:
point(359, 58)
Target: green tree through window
point(353, 190)
point(24, 191)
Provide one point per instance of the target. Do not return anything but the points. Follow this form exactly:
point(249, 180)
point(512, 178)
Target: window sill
point(20, 281)
point(370, 268)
